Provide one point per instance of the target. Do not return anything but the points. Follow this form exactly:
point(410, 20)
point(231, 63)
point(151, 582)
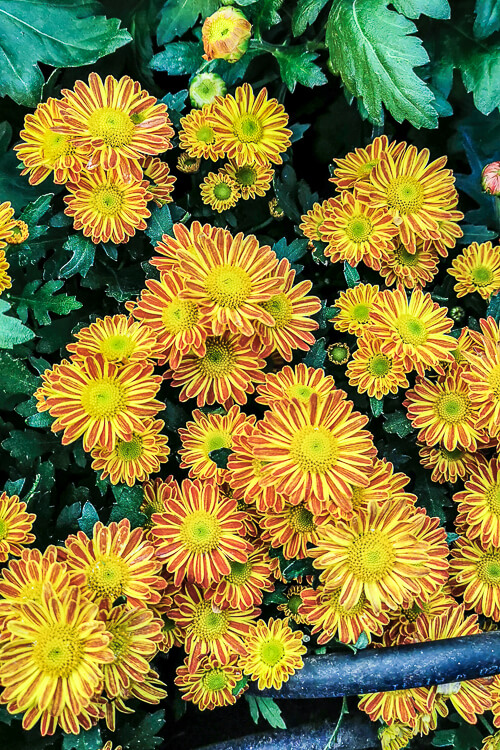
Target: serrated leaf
point(494, 307)
point(292, 252)
point(372, 49)
point(142, 735)
point(416, 8)
point(398, 424)
point(35, 210)
point(351, 275)
point(60, 33)
point(305, 13)
point(487, 18)
point(316, 355)
point(297, 66)
point(477, 234)
point(159, 224)
point(128, 501)
point(88, 519)
point(176, 104)
point(86, 740)
point(177, 16)
point(480, 68)
point(265, 13)
point(42, 300)
point(12, 331)
point(377, 406)
point(269, 710)
point(15, 377)
point(179, 58)
point(27, 445)
point(82, 256)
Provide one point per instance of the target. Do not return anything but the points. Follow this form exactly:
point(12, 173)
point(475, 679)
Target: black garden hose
point(356, 733)
point(382, 669)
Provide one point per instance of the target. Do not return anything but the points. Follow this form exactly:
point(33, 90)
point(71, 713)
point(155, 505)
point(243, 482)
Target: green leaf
point(90, 740)
point(297, 66)
point(142, 734)
point(371, 49)
point(480, 68)
point(465, 737)
point(487, 18)
point(351, 275)
point(265, 13)
point(316, 355)
point(159, 224)
point(88, 519)
point(128, 501)
point(180, 58)
point(362, 641)
point(377, 406)
point(239, 685)
point(398, 424)
point(178, 16)
point(41, 301)
point(82, 256)
point(27, 445)
point(16, 378)
point(60, 33)
point(416, 8)
point(266, 707)
point(494, 307)
point(292, 252)
point(305, 13)
point(432, 496)
point(220, 457)
point(12, 331)
point(35, 210)
point(477, 234)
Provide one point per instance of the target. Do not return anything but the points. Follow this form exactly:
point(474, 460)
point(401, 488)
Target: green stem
point(343, 711)
point(486, 724)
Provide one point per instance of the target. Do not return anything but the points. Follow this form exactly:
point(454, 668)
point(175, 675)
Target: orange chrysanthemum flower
point(252, 179)
point(197, 136)
point(246, 584)
point(475, 575)
point(410, 269)
point(354, 309)
point(373, 372)
point(116, 562)
point(358, 164)
point(210, 432)
point(356, 231)
point(250, 129)
point(7, 223)
point(491, 742)
point(114, 123)
point(210, 630)
point(299, 383)
point(20, 233)
point(480, 503)
point(290, 310)
point(442, 411)
point(211, 684)
point(135, 634)
point(293, 528)
point(229, 279)
point(447, 466)
point(5, 280)
point(118, 339)
point(377, 553)
point(15, 526)
point(183, 242)
point(161, 182)
point(403, 620)
point(395, 736)
point(219, 191)
point(96, 399)
point(398, 705)
point(107, 207)
point(178, 323)
point(52, 664)
point(228, 370)
point(483, 378)
point(313, 219)
point(134, 460)
point(272, 653)
point(383, 485)
point(477, 269)
point(199, 534)
point(44, 150)
point(291, 606)
point(416, 194)
point(315, 448)
point(245, 475)
point(151, 691)
point(156, 495)
point(413, 330)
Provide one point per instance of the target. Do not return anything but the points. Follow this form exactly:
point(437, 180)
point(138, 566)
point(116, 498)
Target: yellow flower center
point(102, 399)
point(220, 28)
point(113, 126)
point(120, 640)
point(405, 258)
point(411, 614)
point(57, 650)
point(117, 347)
point(180, 315)
point(108, 576)
point(488, 568)
point(240, 573)
point(107, 199)
point(494, 380)
point(205, 134)
point(411, 330)
point(359, 228)
point(300, 391)
point(200, 532)
point(248, 129)
point(216, 440)
point(379, 366)
point(222, 191)
point(215, 680)
point(219, 359)
point(405, 194)
point(361, 312)
point(314, 449)
point(228, 286)
point(481, 275)
point(301, 520)
point(129, 450)
point(54, 145)
point(493, 499)
point(294, 602)
point(280, 308)
point(207, 624)
point(4, 528)
point(272, 652)
point(452, 407)
point(371, 556)
point(246, 176)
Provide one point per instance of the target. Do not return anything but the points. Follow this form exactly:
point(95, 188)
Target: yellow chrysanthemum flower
point(219, 191)
point(247, 582)
point(358, 164)
point(250, 128)
point(197, 136)
point(483, 378)
point(292, 528)
point(15, 526)
point(491, 742)
point(411, 269)
point(447, 466)
point(313, 220)
point(354, 309)
point(475, 575)
point(211, 684)
point(373, 372)
point(252, 179)
point(299, 383)
point(161, 182)
point(226, 34)
point(5, 280)
point(7, 222)
point(398, 705)
point(118, 339)
point(20, 233)
point(477, 269)
point(395, 736)
point(273, 653)
point(479, 503)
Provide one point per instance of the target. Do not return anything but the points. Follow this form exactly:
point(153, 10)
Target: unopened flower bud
point(20, 233)
point(275, 209)
point(188, 164)
point(457, 313)
point(205, 87)
point(338, 354)
point(491, 178)
point(226, 35)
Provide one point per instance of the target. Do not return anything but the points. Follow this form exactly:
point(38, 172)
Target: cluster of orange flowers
point(249, 131)
point(102, 141)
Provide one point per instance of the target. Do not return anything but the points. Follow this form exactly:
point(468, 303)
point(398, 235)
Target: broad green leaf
point(15, 376)
point(416, 8)
point(27, 445)
point(477, 234)
point(88, 519)
point(60, 33)
point(398, 424)
point(159, 224)
point(487, 18)
point(34, 211)
point(12, 331)
point(351, 275)
point(305, 13)
point(480, 68)
point(264, 14)
point(90, 740)
point(494, 307)
point(372, 50)
point(377, 406)
point(42, 300)
point(270, 711)
point(177, 16)
point(140, 732)
point(127, 503)
point(176, 104)
point(297, 66)
point(316, 355)
point(82, 256)
point(179, 58)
